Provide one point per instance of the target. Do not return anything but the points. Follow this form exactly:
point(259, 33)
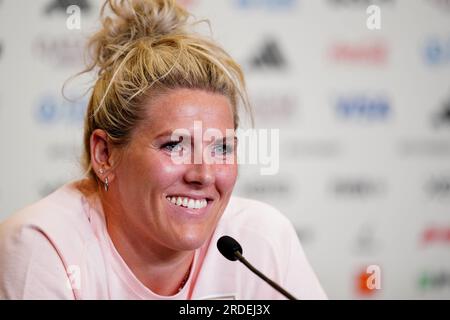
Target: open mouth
point(187, 202)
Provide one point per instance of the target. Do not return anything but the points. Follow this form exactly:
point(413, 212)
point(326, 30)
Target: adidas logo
point(269, 57)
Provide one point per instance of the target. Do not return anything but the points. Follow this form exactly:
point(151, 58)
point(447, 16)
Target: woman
point(141, 225)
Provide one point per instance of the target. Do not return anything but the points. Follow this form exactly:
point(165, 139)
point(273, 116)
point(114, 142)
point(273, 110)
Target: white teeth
point(188, 202)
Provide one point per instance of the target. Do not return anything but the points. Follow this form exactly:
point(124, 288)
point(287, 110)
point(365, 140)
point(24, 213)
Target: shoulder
point(39, 242)
point(255, 215)
point(270, 242)
point(58, 222)
point(257, 225)
point(60, 214)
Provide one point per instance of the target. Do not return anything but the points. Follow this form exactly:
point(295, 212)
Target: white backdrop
point(364, 119)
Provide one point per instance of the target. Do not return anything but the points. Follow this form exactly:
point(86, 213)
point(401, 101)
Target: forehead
point(179, 108)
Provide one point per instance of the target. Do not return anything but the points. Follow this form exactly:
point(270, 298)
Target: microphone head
point(228, 246)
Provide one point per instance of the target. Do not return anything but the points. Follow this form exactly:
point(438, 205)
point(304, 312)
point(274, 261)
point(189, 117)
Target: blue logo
point(363, 107)
point(437, 51)
point(266, 4)
point(52, 111)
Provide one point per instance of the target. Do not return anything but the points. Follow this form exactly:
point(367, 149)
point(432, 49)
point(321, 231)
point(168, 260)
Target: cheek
point(149, 171)
point(226, 177)
point(164, 173)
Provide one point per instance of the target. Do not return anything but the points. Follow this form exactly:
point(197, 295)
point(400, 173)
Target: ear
point(101, 155)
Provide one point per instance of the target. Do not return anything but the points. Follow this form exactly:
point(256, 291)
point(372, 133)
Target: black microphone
point(232, 250)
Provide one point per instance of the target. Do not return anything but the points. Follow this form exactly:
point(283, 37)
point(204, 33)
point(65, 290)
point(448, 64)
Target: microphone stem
point(262, 276)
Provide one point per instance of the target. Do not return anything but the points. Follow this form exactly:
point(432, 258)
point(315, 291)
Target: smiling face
point(161, 201)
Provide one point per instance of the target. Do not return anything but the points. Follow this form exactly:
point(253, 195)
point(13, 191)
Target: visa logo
point(363, 107)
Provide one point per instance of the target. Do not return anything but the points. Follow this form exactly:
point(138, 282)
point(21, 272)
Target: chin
point(191, 242)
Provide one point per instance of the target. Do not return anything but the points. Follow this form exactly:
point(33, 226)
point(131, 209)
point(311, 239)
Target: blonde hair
point(145, 47)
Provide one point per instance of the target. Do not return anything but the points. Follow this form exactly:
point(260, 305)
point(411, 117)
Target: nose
point(201, 174)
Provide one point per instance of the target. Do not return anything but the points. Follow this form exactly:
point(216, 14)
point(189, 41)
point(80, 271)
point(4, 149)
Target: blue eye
point(173, 146)
point(223, 149)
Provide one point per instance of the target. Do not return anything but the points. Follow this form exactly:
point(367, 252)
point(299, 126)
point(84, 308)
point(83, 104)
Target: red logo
point(360, 53)
point(436, 235)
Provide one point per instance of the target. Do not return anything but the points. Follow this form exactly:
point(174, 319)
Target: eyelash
point(228, 149)
point(170, 145)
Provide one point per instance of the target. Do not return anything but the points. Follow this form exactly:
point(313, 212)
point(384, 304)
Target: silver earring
point(101, 171)
point(106, 184)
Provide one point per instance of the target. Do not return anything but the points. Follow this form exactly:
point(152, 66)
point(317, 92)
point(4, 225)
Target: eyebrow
point(165, 133)
point(169, 133)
